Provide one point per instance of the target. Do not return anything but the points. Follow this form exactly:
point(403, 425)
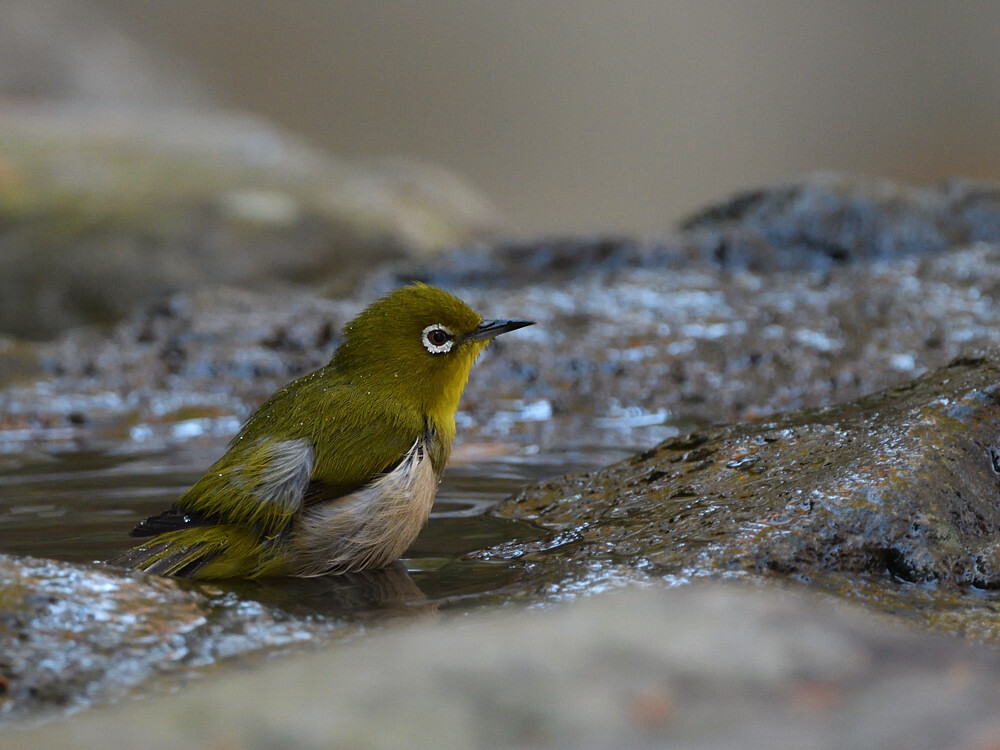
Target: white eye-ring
point(437, 339)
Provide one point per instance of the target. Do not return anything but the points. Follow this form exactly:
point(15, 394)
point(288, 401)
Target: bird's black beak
point(490, 328)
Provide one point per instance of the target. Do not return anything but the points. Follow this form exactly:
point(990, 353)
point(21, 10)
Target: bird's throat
point(440, 411)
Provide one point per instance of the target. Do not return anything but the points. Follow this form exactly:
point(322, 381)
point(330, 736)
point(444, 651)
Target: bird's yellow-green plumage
point(337, 470)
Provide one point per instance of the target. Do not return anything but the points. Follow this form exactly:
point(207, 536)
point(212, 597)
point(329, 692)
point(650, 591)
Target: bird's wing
point(261, 486)
point(231, 516)
point(361, 439)
point(356, 458)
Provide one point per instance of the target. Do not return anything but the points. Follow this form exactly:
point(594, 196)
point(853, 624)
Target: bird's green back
point(354, 438)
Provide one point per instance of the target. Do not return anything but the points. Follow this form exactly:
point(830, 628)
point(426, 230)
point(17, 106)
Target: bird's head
point(417, 344)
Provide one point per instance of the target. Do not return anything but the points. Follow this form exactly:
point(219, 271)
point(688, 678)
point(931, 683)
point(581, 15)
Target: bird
point(337, 471)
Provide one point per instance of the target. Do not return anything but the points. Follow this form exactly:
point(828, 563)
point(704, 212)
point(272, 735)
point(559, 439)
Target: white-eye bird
point(337, 471)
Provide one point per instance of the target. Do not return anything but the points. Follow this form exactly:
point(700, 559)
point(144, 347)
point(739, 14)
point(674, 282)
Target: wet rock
point(816, 223)
point(708, 666)
point(72, 636)
point(898, 488)
point(623, 358)
point(627, 351)
point(834, 218)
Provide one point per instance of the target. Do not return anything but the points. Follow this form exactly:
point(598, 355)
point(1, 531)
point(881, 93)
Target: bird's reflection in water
point(368, 595)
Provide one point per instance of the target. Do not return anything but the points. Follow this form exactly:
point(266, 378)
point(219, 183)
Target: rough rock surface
point(900, 487)
point(73, 636)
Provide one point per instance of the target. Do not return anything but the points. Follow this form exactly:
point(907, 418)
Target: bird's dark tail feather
point(172, 519)
point(182, 563)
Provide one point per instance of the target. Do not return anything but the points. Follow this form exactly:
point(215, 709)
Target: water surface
point(79, 506)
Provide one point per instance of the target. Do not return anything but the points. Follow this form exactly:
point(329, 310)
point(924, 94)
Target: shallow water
point(79, 507)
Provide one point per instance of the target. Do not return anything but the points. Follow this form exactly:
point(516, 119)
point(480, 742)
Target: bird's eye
point(438, 339)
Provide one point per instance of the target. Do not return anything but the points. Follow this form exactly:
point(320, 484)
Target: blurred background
point(569, 116)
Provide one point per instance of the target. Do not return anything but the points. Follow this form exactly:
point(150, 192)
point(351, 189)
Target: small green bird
point(337, 471)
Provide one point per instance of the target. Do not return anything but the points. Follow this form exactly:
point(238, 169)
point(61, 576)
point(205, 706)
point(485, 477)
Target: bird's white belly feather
point(369, 528)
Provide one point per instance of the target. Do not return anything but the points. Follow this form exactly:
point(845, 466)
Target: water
point(82, 634)
point(79, 507)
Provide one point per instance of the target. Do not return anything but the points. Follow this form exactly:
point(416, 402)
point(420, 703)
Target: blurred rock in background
point(69, 50)
point(120, 182)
